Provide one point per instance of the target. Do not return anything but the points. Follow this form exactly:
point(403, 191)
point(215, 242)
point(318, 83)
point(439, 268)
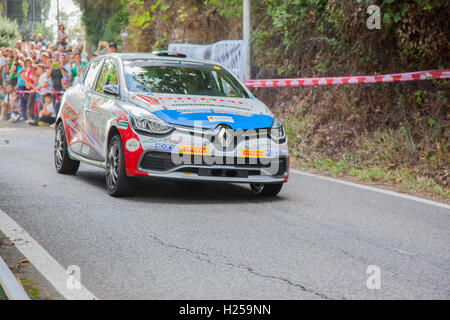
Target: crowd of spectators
point(34, 75)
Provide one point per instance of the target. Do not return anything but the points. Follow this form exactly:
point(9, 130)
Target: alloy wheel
point(113, 165)
point(59, 147)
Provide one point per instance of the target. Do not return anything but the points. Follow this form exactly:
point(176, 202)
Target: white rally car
point(165, 116)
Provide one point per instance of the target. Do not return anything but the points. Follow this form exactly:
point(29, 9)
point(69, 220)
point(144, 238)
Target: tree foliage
point(104, 19)
point(9, 32)
point(29, 15)
point(323, 37)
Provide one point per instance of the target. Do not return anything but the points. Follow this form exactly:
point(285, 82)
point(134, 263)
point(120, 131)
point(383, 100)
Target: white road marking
point(369, 188)
point(41, 259)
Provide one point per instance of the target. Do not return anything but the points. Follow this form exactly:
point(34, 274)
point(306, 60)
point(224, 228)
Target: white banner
point(230, 53)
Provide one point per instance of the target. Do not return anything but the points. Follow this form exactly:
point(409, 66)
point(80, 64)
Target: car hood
point(207, 112)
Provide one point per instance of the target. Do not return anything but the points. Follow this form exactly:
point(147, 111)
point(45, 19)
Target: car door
point(73, 110)
point(88, 84)
point(99, 109)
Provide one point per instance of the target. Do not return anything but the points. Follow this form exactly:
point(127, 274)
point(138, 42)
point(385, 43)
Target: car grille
point(162, 161)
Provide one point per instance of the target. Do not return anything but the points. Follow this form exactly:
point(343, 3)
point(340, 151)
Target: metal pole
point(247, 37)
point(57, 11)
point(32, 16)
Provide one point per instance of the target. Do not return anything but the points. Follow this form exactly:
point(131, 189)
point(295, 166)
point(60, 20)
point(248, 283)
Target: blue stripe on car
point(255, 121)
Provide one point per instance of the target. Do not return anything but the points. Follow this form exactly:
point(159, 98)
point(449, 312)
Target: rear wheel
point(63, 163)
point(118, 183)
point(266, 190)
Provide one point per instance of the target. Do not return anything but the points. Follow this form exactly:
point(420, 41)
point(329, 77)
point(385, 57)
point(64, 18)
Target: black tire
point(63, 163)
point(118, 183)
point(266, 190)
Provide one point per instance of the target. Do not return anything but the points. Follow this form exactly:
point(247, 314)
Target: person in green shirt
point(77, 66)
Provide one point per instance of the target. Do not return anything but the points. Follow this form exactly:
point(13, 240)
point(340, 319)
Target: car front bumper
point(177, 157)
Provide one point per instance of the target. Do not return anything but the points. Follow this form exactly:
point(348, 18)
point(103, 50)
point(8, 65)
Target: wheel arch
point(58, 121)
point(111, 133)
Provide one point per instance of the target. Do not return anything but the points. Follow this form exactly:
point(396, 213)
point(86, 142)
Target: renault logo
point(225, 136)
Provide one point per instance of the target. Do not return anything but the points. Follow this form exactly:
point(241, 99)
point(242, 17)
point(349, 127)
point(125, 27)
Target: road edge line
point(50, 269)
point(9, 283)
point(373, 189)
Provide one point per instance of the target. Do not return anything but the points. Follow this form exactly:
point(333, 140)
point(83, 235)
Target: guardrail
point(12, 288)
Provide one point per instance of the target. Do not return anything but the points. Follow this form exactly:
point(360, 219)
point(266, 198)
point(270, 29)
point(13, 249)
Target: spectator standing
point(84, 54)
point(4, 61)
point(77, 66)
point(21, 75)
point(62, 36)
point(12, 77)
point(42, 85)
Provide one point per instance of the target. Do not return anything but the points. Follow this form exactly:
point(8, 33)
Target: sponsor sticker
point(220, 119)
point(166, 147)
point(274, 153)
point(195, 150)
point(248, 153)
point(132, 145)
point(122, 124)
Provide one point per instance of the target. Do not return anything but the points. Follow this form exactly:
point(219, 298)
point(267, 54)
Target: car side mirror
point(112, 90)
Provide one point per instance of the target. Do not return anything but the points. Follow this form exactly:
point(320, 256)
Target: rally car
point(165, 116)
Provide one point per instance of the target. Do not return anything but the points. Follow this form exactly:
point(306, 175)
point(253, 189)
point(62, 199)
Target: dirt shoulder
point(35, 285)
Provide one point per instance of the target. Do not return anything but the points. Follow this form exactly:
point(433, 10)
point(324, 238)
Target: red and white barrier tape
point(328, 81)
point(50, 91)
point(54, 92)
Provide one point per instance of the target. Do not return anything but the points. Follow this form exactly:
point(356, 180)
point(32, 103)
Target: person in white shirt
point(14, 107)
point(43, 85)
point(7, 105)
point(47, 116)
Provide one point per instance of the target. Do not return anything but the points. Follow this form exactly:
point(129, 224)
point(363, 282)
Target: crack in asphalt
point(204, 257)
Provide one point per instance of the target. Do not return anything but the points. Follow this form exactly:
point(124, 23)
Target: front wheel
point(266, 190)
point(63, 163)
point(117, 181)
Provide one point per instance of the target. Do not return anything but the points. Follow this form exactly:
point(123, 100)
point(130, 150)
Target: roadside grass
point(33, 292)
point(387, 157)
point(2, 294)
point(405, 179)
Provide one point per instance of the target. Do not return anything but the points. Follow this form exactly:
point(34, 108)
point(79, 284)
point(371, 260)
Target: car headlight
point(277, 131)
point(150, 124)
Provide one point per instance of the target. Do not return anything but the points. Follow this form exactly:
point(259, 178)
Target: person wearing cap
point(112, 47)
point(44, 58)
point(19, 45)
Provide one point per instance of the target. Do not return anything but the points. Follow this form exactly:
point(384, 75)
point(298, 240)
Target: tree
point(103, 19)
point(9, 32)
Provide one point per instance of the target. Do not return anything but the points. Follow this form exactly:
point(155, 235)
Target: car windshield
point(203, 80)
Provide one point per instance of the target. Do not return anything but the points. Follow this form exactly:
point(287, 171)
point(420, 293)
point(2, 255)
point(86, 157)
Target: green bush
point(9, 32)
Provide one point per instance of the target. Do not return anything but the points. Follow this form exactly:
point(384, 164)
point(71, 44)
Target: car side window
point(83, 75)
point(108, 76)
point(89, 81)
point(228, 87)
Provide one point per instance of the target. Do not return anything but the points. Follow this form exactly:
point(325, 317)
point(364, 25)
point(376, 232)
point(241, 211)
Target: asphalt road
point(212, 241)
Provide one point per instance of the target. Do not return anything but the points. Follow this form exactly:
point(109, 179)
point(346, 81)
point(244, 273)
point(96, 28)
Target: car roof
point(143, 56)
